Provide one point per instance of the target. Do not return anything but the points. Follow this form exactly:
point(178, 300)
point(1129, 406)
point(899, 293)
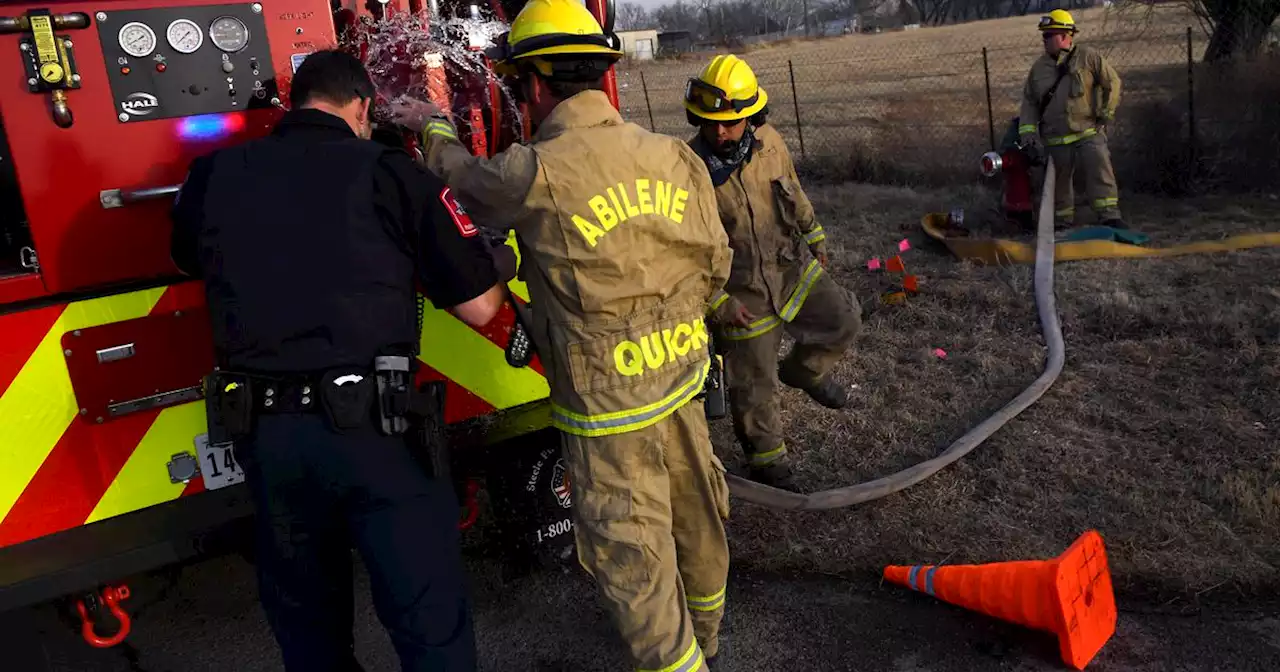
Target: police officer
point(309, 242)
point(779, 250)
point(622, 252)
point(1070, 96)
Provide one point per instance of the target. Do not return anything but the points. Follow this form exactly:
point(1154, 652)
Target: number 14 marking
point(228, 463)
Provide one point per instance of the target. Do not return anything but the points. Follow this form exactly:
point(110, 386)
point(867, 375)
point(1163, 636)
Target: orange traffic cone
point(1069, 596)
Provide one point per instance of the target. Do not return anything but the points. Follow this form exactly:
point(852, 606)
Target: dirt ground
point(1161, 432)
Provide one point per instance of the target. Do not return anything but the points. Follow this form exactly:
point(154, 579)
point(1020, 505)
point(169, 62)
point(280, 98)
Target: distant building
point(675, 41)
point(639, 45)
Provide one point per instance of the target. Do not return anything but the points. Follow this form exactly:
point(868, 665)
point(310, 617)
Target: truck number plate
point(218, 466)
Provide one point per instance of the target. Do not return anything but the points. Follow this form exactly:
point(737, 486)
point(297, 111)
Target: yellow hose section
point(1003, 252)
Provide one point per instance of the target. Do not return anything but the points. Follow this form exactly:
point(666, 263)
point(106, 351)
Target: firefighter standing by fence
point(306, 241)
point(778, 283)
point(623, 253)
point(1070, 96)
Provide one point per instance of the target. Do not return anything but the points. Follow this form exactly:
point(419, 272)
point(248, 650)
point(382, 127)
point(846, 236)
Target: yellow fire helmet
point(1059, 20)
point(726, 90)
point(554, 28)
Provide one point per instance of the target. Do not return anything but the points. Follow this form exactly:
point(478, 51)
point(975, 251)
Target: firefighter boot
point(825, 391)
point(776, 474)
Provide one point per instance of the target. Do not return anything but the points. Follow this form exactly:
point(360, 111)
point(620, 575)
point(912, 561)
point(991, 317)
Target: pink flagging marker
point(873, 264)
point(904, 245)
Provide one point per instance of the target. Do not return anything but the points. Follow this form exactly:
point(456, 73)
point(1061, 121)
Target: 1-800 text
point(554, 530)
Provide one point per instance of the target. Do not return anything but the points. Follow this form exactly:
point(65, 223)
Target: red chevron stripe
point(460, 403)
point(195, 485)
point(22, 333)
point(72, 480)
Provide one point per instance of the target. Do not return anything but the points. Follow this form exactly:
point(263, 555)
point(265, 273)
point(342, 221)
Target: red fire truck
point(105, 468)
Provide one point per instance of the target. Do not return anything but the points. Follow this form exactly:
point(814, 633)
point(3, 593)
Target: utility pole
point(806, 19)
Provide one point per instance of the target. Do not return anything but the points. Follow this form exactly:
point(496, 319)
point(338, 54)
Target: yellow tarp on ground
point(1003, 252)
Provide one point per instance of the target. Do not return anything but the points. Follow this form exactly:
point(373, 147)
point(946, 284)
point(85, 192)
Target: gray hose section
point(758, 493)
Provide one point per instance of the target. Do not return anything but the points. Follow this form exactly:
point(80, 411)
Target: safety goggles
point(1048, 24)
point(709, 98)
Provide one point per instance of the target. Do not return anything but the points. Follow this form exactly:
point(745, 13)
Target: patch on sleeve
point(458, 213)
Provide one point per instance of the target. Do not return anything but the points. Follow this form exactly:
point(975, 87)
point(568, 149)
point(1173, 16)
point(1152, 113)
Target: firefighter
point(779, 252)
point(623, 254)
point(309, 242)
point(1069, 97)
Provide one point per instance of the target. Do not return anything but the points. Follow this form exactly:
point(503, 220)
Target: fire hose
point(1051, 328)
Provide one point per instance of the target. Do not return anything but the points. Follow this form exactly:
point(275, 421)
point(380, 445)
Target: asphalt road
point(209, 620)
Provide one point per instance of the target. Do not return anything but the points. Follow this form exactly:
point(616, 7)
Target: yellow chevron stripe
point(474, 362)
point(39, 405)
point(144, 481)
point(518, 287)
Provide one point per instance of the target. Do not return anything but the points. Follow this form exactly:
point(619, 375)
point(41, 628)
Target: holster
point(346, 394)
point(228, 406)
point(428, 440)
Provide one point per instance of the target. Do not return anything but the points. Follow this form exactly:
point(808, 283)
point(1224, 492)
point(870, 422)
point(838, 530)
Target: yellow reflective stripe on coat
point(817, 235)
point(707, 603)
point(691, 661)
point(619, 422)
point(792, 307)
point(1026, 128)
point(768, 457)
point(441, 128)
point(1065, 212)
point(1104, 203)
point(718, 300)
point(760, 327)
point(1071, 139)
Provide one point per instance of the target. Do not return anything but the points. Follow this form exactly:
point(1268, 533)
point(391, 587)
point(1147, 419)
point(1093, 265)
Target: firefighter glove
point(731, 312)
point(421, 115)
point(1031, 145)
point(819, 250)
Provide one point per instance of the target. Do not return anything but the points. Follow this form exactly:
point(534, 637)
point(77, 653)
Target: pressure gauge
point(229, 34)
point(137, 39)
point(184, 36)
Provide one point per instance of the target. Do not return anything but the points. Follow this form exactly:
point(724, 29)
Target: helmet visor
point(709, 98)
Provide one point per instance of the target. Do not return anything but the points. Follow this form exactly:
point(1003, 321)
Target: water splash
point(440, 60)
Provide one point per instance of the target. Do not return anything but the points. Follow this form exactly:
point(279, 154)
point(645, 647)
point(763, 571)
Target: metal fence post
point(644, 85)
point(795, 101)
point(1191, 101)
point(991, 114)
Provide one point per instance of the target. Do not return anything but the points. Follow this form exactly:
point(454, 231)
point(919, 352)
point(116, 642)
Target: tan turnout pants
point(1093, 158)
point(824, 329)
point(649, 507)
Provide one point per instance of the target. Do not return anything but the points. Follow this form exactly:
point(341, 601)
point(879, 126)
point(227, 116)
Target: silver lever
point(117, 198)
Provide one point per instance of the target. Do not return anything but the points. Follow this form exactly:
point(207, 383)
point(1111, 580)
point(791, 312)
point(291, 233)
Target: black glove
point(504, 260)
point(1030, 145)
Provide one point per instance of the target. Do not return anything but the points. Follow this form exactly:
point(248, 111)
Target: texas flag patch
point(458, 213)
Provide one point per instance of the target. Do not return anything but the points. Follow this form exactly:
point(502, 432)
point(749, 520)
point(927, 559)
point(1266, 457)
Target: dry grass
point(910, 107)
point(1161, 431)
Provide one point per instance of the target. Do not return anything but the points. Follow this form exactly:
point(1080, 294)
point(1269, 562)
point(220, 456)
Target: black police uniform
point(305, 241)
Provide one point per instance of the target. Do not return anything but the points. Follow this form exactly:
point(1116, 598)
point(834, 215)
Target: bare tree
point(632, 16)
point(1237, 28)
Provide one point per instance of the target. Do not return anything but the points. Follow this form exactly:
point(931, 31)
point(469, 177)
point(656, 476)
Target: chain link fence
point(922, 105)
